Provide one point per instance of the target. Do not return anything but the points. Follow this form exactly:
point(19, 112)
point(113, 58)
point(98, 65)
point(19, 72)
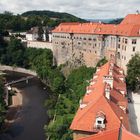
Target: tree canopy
point(133, 72)
point(29, 19)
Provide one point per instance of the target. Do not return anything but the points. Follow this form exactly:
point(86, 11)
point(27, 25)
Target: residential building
point(32, 35)
point(104, 107)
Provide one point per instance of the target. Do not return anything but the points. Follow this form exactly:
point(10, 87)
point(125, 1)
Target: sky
point(87, 9)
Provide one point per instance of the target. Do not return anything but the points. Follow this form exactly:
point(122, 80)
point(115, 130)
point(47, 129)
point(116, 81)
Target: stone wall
point(77, 48)
point(39, 44)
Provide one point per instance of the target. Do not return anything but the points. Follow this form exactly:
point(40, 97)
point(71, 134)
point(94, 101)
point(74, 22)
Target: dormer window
point(109, 80)
point(100, 120)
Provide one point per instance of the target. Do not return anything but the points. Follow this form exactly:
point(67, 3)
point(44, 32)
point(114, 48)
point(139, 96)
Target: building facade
point(86, 43)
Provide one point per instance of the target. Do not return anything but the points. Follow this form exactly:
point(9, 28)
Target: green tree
point(101, 62)
point(133, 72)
point(40, 33)
point(2, 103)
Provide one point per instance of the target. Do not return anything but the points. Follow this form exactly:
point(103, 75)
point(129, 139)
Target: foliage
point(33, 18)
point(51, 14)
point(40, 33)
point(101, 62)
point(2, 103)
point(65, 107)
point(133, 72)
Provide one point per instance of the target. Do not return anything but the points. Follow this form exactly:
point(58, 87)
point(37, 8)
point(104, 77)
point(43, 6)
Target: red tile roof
point(95, 101)
point(131, 19)
point(112, 135)
point(130, 26)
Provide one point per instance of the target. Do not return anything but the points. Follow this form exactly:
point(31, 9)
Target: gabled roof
point(95, 101)
point(131, 19)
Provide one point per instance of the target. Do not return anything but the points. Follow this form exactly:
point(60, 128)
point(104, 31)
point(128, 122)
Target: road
point(134, 112)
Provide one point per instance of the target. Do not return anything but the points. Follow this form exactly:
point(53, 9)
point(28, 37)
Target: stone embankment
point(17, 69)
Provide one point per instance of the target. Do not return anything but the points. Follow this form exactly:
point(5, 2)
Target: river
point(32, 116)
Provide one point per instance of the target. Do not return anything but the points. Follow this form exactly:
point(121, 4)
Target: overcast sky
point(93, 9)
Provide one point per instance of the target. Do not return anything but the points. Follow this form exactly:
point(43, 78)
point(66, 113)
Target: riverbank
point(17, 69)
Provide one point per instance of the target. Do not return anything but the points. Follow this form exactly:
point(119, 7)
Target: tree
point(40, 33)
point(133, 72)
point(101, 62)
point(2, 103)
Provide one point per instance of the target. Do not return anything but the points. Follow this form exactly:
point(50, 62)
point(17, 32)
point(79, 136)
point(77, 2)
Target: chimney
point(107, 91)
point(82, 105)
point(88, 90)
point(109, 80)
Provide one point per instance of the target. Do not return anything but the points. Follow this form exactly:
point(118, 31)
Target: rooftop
point(113, 135)
point(130, 26)
point(106, 93)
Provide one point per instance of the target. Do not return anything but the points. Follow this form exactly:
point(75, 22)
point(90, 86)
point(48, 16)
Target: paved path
point(134, 113)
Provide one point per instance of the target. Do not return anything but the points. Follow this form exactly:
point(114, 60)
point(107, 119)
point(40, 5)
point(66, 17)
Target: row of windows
point(84, 38)
point(119, 56)
point(124, 48)
point(124, 40)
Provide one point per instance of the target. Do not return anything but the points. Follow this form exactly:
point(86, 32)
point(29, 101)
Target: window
point(89, 39)
point(119, 46)
point(125, 48)
point(134, 48)
point(119, 39)
point(123, 40)
point(118, 54)
point(134, 41)
point(99, 122)
point(84, 38)
point(126, 41)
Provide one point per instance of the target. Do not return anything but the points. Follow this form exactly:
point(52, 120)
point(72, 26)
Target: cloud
point(81, 8)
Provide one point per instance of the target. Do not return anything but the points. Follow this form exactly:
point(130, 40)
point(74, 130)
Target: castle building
point(86, 43)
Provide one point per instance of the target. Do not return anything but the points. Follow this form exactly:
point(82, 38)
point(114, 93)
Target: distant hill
point(54, 15)
point(109, 21)
point(116, 21)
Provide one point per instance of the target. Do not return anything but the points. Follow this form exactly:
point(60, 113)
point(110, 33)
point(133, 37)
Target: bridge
point(20, 80)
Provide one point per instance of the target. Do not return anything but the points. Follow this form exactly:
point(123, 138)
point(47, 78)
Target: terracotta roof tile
point(112, 135)
point(130, 26)
point(96, 101)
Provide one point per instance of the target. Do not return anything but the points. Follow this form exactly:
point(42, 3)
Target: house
point(32, 35)
point(104, 107)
